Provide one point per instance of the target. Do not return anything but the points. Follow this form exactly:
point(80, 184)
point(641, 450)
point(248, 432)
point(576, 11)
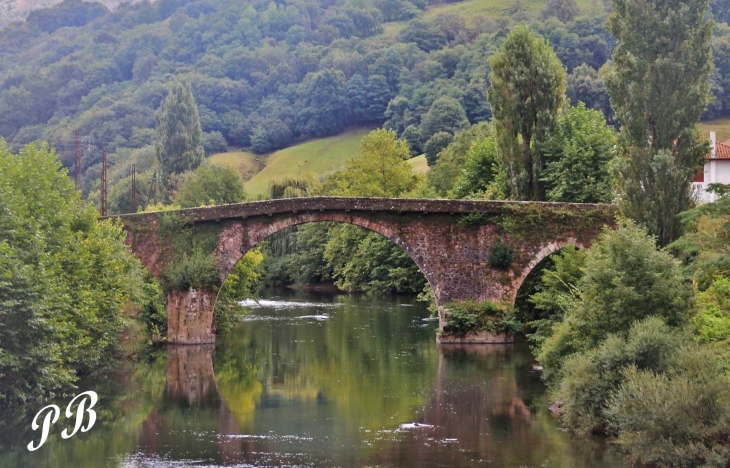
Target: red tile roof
point(722, 150)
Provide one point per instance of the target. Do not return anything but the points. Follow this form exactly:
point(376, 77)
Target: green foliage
point(713, 317)
point(435, 145)
point(191, 271)
point(528, 90)
point(363, 261)
point(213, 142)
point(624, 279)
point(380, 170)
point(471, 316)
point(564, 10)
point(500, 255)
point(445, 115)
point(659, 87)
point(705, 245)
point(211, 184)
point(243, 282)
point(586, 85)
point(578, 157)
point(64, 277)
point(590, 378)
point(680, 417)
point(627, 279)
point(473, 220)
point(444, 175)
point(480, 169)
point(412, 135)
point(558, 293)
point(178, 125)
point(189, 253)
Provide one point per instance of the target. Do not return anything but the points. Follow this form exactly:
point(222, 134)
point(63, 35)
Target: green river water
point(309, 380)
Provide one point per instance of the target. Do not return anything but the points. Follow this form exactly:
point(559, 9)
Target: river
point(324, 381)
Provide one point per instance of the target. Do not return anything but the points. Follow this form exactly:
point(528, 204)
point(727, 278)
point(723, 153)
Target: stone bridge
point(449, 240)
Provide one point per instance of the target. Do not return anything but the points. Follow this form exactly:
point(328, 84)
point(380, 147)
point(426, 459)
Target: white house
point(716, 170)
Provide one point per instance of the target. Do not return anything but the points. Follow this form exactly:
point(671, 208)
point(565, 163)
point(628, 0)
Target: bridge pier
point(190, 317)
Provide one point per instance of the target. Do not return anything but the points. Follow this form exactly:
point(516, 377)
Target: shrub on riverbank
point(64, 278)
point(472, 316)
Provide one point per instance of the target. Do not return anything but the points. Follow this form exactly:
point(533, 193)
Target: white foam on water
point(269, 304)
point(410, 426)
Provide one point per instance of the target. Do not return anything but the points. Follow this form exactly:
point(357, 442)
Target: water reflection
point(326, 381)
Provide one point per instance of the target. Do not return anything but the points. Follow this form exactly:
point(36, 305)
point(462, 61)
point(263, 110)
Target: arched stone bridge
point(449, 240)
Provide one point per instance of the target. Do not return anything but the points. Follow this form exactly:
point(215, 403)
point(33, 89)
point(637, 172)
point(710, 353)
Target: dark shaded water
point(309, 380)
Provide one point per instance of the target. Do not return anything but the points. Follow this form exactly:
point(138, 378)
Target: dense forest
point(266, 74)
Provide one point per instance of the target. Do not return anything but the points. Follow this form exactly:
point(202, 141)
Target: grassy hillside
point(419, 165)
point(496, 8)
point(721, 126)
point(248, 164)
point(321, 156)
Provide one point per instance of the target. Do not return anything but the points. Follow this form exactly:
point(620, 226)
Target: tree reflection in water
point(337, 383)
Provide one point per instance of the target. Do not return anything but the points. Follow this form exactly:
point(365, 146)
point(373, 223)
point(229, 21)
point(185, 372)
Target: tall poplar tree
point(527, 93)
point(659, 86)
point(178, 124)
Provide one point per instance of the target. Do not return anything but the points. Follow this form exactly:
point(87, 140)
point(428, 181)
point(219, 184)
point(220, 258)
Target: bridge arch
point(542, 254)
point(243, 239)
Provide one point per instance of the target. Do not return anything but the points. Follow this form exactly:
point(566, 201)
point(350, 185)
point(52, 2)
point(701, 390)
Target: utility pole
point(77, 159)
point(103, 182)
point(153, 190)
point(134, 188)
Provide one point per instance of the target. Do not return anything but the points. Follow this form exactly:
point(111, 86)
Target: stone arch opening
point(237, 239)
point(530, 281)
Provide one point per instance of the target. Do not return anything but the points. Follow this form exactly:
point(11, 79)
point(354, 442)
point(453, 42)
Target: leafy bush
point(680, 418)
point(500, 255)
point(64, 278)
point(590, 378)
point(472, 316)
point(243, 282)
point(195, 271)
point(713, 319)
point(473, 220)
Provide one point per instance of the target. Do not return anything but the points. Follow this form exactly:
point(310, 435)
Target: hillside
point(321, 156)
point(18, 10)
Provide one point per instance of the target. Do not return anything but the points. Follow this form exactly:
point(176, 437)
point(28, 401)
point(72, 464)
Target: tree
point(213, 142)
point(444, 115)
point(564, 10)
point(412, 136)
point(625, 279)
point(211, 184)
point(322, 103)
point(380, 170)
point(64, 277)
point(260, 140)
point(445, 173)
point(659, 87)
point(586, 85)
point(578, 156)
point(178, 125)
point(399, 115)
point(528, 90)
point(437, 143)
point(424, 34)
point(480, 169)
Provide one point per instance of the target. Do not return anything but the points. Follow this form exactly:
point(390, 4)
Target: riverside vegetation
point(633, 333)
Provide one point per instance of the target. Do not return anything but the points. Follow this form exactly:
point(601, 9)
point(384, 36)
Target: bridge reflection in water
point(465, 420)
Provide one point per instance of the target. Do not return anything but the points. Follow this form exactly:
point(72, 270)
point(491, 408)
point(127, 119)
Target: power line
point(77, 159)
point(103, 182)
point(134, 188)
